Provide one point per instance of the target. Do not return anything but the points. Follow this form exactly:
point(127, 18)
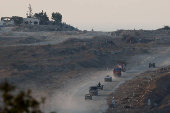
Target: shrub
point(23, 102)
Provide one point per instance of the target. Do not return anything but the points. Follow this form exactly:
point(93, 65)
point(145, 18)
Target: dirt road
point(70, 99)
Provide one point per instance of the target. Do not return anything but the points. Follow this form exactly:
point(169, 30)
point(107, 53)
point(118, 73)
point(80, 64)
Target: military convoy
point(121, 67)
point(93, 90)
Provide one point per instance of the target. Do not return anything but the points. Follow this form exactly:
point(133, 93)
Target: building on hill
point(30, 21)
point(7, 21)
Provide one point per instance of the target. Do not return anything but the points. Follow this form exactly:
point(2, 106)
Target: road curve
point(71, 98)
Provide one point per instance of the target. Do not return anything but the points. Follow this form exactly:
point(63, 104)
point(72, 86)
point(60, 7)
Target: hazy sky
point(103, 15)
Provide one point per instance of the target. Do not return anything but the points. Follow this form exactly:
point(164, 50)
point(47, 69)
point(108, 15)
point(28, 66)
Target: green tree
point(23, 102)
point(57, 17)
point(42, 17)
point(17, 20)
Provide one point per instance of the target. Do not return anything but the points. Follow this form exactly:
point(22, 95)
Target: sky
point(99, 15)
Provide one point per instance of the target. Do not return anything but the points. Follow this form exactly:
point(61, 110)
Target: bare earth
point(63, 65)
point(73, 95)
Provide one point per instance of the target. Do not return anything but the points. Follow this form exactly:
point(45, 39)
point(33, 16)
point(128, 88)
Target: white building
point(30, 21)
point(7, 21)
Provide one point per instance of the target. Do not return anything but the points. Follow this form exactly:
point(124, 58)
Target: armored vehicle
point(151, 65)
point(108, 79)
point(88, 96)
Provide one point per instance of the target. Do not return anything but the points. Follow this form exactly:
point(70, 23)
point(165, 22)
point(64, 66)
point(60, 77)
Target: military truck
point(93, 90)
point(117, 72)
point(122, 66)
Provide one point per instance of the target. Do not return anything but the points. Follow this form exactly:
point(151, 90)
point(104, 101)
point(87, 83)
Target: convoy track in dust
point(74, 101)
point(37, 52)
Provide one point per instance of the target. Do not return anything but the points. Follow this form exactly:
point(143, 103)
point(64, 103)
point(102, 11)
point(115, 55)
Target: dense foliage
point(57, 17)
point(42, 16)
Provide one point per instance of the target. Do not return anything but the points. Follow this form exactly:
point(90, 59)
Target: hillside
point(46, 61)
point(133, 95)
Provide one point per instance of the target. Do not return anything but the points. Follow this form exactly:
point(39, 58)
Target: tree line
point(42, 16)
